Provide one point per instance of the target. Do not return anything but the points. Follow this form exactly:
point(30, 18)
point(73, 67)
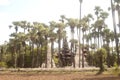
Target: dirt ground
point(57, 76)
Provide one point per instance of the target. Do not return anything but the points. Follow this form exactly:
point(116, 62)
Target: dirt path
point(57, 76)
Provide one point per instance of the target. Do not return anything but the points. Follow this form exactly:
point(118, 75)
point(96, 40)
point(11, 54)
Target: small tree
point(101, 57)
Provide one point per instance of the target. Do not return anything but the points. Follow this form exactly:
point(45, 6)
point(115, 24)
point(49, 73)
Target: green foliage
point(101, 56)
point(55, 60)
point(28, 60)
point(90, 58)
point(113, 59)
point(3, 65)
point(116, 70)
point(116, 66)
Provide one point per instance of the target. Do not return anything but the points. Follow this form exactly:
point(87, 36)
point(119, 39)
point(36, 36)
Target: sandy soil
point(57, 76)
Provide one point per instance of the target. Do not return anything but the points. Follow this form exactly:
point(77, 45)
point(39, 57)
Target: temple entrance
point(66, 55)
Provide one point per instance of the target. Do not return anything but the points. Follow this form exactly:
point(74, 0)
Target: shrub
point(101, 57)
point(3, 65)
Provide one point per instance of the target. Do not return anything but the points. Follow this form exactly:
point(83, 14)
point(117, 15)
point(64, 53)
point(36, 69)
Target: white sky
point(43, 11)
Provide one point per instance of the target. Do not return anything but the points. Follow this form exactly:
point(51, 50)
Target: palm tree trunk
point(98, 38)
point(72, 47)
point(15, 58)
point(33, 56)
point(52, 44)
point(79, 41)
point(46, 48)
point(41, 51)
point(119, 18)
point(79, 33)
point(37, 62)
point(82, 51)
point(23, 60)
point(108, 55)
point(59, 47)
point(1, 54)
point(112, 47)
point(114, 26)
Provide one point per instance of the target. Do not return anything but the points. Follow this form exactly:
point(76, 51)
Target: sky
point(43, 11)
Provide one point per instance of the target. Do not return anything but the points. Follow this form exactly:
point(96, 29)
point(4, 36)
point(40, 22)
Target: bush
point(101, 57)
point(3, 65)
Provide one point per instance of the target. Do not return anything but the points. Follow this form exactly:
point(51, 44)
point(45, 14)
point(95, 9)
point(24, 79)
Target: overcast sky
point(43, 11)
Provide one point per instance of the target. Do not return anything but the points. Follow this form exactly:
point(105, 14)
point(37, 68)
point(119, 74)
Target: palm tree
point(62, 18)
point(15, 48)
point(79, 29)
point(23, 24)
point(84, 29)
point(118, 12)
point(32, 37)
point(52, 39)
point(112, 39)
point(21, 37)
point(12, 50)
point(114, 27)
point(46, 35)
point(97, 13)
point(38, 41)
point(72, 23)
point(52, 36)
point(15, 25)
point(89, 18)
point(94, 34)
point(103, 16)
point(107, 39)
point(60, 27)
point(75, 42)
point(99, 26)
point(3, 52)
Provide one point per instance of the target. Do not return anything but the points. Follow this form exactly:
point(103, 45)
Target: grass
point(109, 71)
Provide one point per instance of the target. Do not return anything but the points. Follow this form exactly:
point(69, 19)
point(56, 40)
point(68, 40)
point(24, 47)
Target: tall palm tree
point(72, 23)
point(94, 34)
point(52, 36)
point(112, 39)
point(103, 16)
point(60, 27)
point(39, 40)
point(114, 27)
point(118, 12)
point(79, 31)
point(3, 52)
point(46, 35)
point(15, 25)
point(12, 50)
point(84, 29)
point(89, 18)
point(97, 13)
point(62, 18)
point(21, 37)
point(107, 37)
point(75, 42)
point(23, 24)
point(32, 37)
point(14, 41)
